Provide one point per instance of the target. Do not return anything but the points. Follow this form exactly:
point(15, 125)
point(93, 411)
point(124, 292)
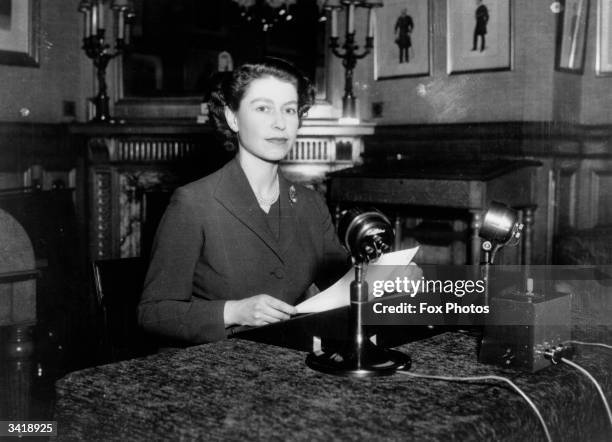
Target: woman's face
point(267, 118)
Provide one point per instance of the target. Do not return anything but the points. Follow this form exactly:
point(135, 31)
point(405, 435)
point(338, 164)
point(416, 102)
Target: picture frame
point(402, 45)
point(479, 36)
point(604, 38)
point(572, 25)
point(19, 31)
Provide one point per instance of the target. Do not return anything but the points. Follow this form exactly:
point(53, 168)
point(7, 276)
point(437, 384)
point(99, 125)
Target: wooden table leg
point(458, 246)
point(475, 225)
point(16, 373)
point(397, 244)
point(528, 220)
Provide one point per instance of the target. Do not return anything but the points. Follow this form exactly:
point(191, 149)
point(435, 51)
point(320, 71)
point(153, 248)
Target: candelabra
point(351, 53)
point(98, 50)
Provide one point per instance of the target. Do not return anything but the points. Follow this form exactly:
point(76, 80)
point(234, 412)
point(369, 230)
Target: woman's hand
point(257, 310)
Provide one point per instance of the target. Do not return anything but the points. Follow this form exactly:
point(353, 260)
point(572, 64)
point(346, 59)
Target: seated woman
point(242, 246)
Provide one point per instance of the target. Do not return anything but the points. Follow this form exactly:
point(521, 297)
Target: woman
point(242, 246)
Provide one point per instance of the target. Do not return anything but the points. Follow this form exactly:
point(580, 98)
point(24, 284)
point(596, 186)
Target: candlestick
point(99, 51)
point(350, 55)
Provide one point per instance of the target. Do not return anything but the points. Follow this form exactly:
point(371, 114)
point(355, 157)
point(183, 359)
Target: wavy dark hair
point(230, 87)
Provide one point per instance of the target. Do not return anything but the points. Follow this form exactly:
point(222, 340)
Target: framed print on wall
point(604, 38)
point(403, 39)
point(479, 35)
point(19, 21)
point(571, 36)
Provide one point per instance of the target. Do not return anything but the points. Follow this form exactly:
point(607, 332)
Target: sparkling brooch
point(292, 194)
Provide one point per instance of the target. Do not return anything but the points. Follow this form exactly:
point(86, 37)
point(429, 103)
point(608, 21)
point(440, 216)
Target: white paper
point(338, 295)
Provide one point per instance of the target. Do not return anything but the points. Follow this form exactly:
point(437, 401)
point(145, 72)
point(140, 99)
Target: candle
point(85, 8)
point(120, 23)
point(334, 22)
point(371, 20)
point(351, 18)
point(126, 35)
point(94, 18)
point(87, 22)
point(100, 14)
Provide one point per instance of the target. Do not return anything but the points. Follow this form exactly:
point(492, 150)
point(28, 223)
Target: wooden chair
point(118, 285)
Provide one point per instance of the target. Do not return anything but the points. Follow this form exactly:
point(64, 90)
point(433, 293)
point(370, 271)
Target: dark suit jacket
point(214, 244)
point(482, 18)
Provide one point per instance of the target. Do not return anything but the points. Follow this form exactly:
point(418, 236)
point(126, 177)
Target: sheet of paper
point(338, 295)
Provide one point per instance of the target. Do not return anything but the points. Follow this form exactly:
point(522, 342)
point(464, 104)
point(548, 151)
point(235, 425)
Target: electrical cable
point(595, 344)
point(597, 386)
point(484, 378)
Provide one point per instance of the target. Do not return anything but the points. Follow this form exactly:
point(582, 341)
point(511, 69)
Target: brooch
point(292, 194)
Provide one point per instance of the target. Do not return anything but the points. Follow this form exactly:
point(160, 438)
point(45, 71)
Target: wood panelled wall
point(574, 184)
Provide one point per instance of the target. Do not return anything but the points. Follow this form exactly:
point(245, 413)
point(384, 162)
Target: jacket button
point(278, 272)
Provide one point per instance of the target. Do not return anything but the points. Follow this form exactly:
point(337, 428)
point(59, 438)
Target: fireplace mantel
point(130, 165)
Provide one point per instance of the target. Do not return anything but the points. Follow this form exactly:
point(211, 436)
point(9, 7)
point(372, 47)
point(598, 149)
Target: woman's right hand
point(257, 310)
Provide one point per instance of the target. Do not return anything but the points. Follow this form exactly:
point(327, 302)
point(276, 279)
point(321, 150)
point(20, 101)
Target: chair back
point(118, 285)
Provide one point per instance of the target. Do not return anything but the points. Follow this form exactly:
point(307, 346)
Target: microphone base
point(375, 362)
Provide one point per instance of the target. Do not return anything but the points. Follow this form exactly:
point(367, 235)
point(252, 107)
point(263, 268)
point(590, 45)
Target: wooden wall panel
point(565, 199)
point(602, 196)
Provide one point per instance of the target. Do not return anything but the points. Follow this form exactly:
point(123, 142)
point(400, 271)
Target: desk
point(443, 183)
point(241, 390)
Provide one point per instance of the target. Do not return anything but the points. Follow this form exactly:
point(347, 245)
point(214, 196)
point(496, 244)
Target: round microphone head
point(366, 233)
point(500, 224)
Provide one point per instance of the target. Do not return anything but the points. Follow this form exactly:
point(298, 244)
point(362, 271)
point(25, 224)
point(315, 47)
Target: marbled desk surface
point(241, 390)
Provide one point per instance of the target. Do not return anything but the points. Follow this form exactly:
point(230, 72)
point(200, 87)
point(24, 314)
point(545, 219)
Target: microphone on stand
point(500, 227)
point(367, 234)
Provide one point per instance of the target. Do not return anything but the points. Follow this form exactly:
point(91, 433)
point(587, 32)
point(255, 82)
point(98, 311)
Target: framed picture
point(604, 38)
point(479, 35)
point(571, 36)
point(403, 39)
point(19, 21)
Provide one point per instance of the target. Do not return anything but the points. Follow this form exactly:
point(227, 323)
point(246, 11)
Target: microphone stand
point(361, 358)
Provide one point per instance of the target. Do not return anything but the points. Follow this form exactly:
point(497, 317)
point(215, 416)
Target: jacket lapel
point(235, 194)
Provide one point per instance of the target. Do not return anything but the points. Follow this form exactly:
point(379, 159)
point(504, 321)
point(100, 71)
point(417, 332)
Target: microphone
point(501, 225)
point(366, 233)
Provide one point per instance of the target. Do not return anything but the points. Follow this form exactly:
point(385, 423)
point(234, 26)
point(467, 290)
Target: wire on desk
point(597, 386)
point(485, 378)
point(595, 344)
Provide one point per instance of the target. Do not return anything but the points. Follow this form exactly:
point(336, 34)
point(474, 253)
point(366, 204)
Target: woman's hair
point(230, 87)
